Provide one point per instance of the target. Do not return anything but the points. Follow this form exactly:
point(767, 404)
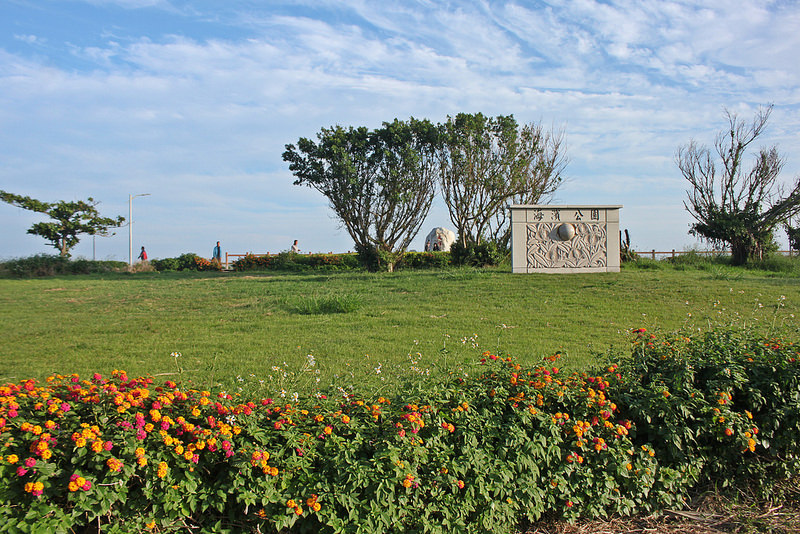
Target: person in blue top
point(217, 254)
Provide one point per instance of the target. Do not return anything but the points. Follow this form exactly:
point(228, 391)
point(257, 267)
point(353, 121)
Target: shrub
point(51, 265)
point(186, 262)
point(724, 405)
point(480, 255)
point(426, 260)
point(640, 262)
point(473, 453)
point(289, 261)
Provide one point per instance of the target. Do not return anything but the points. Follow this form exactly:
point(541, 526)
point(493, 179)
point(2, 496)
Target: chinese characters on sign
point(565, 238)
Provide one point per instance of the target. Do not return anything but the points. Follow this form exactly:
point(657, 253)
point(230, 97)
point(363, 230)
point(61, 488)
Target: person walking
point(217, 254)
point(143, 255)
point(295, 246)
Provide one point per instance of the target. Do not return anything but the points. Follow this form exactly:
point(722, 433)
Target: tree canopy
point(489, 162)
point(380, 183)
point(69, 220)
point(733, 205)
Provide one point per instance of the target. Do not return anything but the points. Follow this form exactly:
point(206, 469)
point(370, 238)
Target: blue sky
point(193, 102)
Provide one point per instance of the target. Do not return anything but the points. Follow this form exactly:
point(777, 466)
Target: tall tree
point(733, 205)
point(542, 161)
point(69, 220)
point(488, 162)
point(379, 183)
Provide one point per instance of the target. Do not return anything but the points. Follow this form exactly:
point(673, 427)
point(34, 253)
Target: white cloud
point(201, 122)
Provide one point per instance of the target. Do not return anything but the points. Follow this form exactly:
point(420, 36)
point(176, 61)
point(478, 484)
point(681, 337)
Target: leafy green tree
point(732, 205)
point(490, 162)
point(793, 233)
point(69, 220)
point(380, 183)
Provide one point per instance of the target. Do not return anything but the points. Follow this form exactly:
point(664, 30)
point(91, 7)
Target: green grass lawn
point(239, 329)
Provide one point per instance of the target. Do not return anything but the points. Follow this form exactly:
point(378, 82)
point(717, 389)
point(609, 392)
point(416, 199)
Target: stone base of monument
point(564, 239)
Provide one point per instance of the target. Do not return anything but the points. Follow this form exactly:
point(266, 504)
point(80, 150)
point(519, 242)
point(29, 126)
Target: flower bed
point(471, 454)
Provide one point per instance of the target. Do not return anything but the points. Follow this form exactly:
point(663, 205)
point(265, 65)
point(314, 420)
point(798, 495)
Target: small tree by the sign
point(69, 220)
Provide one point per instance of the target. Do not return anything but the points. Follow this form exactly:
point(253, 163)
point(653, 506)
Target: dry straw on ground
point(708, 514)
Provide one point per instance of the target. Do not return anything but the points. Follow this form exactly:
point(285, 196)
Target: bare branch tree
point(733, 206)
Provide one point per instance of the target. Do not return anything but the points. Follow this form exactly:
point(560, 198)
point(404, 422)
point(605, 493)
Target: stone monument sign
point(564, 239)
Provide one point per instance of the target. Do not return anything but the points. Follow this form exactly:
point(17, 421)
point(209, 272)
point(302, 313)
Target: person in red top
point(143, 255)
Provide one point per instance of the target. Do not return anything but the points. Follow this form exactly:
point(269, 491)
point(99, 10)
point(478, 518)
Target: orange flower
point(162, 470)
point(114, 464)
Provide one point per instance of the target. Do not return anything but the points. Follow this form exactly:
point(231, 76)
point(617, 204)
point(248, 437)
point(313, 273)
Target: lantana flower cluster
point(468, 454)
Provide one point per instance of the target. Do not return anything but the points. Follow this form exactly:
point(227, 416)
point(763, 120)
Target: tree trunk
point(744, 250)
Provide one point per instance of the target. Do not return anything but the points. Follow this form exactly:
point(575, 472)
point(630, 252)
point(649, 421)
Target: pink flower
point(30, 462)
point(108, 445)
point(64, 407)
point(87, 486)
point(21, 471)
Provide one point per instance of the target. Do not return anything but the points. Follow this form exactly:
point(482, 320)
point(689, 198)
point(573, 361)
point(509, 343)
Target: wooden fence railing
point(654, 254)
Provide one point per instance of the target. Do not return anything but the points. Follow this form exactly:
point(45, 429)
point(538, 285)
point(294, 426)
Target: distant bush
point(644, 263)
point(290, 261)
point(777, 263)
point(719, 264)
point(425, 260)
point(482, 255)
point(186, 262)
point(51, 265)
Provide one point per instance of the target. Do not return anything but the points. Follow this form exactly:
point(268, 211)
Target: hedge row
point(186, 262)
point(474, 454)
point(288, 261)
point(51, 265)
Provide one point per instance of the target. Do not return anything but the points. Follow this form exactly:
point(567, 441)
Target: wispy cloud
point(193, 102)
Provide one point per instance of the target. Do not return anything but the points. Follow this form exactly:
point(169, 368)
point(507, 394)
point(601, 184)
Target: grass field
point(241, 329)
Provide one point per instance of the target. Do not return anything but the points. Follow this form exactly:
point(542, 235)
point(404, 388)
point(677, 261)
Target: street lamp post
point(130, 226)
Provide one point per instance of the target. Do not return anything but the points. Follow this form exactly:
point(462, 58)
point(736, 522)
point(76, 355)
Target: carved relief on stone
point(587, 248)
